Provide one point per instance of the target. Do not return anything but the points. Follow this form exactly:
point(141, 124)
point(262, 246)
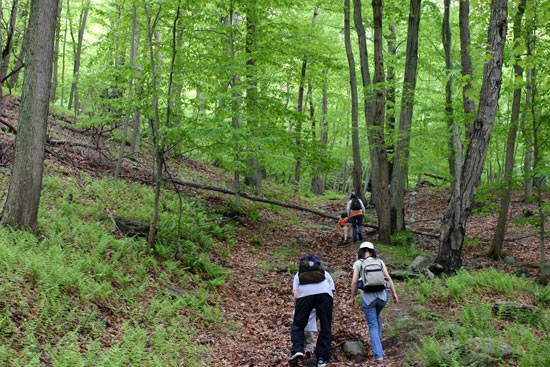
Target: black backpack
point(310, 270)
point(355, 204)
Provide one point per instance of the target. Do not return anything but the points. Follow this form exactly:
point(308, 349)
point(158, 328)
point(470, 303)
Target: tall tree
point(466, 60)
point(357, 165)
point(56, 52)
point(21, 207)
point(401, 159)
point(76, 70)
point(453, 224)
point(154, 122)
point(254, 177)
point(380, 182)
point(129, 112)
point(446, 36)
point(368, 97)
point(318, 181)
point(495, 251)
point(301, 107)
point(7, 50)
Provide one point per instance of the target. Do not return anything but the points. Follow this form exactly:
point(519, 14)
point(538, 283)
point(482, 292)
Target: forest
point(164, 165)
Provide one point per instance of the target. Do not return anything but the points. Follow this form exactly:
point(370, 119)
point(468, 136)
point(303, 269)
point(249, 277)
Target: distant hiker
point(371, 275)
point(355, 210)
point(342, 226)
point(313, 289)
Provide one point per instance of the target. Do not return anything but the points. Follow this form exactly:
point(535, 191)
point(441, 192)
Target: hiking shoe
point(310, 360)
point(322, 363)
point(295, 359)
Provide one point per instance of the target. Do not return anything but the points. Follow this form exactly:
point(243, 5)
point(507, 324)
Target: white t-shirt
point(326, 286)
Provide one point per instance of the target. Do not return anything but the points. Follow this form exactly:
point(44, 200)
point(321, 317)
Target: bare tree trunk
point(390, 96)
point(155, 126)
point(76, 70)
point(254, 177)
point(380, 184)
point(495, 251)
point(56, 52)
point(453, 224)
point(318, 182)
point(7, 50)
point(356, 149)
point(13, 80)
point(528, 158)
point(466, 59)
point(133, 45)
point(64, 49)
point(401, 159)
point(235, 107)
point(368, 97)
point(300, 108)
point(446, 36)
point(21, 207)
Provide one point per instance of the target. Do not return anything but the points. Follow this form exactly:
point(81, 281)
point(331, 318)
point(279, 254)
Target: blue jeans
point(372, 314)
point(357, 223)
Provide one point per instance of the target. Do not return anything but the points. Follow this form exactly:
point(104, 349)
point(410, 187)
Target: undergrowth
point(77, 295)
point(494, 319)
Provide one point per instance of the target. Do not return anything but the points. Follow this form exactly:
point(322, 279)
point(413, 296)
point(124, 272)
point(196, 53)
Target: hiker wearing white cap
point(372, 277)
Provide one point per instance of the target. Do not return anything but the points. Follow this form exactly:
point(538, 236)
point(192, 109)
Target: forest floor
point(257, 303)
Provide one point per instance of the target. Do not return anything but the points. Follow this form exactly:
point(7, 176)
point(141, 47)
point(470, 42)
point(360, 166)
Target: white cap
point(367, 244)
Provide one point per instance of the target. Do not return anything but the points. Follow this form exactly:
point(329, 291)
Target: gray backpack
point(372, 276)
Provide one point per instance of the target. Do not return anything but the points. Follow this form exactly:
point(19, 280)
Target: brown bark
point(21, 207)
point(368, 96)
point(380, 182)
point(466, 60)
point(253, 177)
point(446, 36)
point(7, 51)
point(356, 150)
point(76, 70)
point(401, 158)
point(495, 251)
point(453, 225)
point(56, 53)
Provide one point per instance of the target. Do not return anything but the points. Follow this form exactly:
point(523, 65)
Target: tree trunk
point(74, 86)
point(446, 36)
point(133, 45)
point(356, 149)
point(318, 182)
point(453, 225)
point(368, 96)
point(21, 207)
point(300, 108)
point(254, 177)
point(155, 127)
point(401, 159)
point(56, 53)
point(64, 54)
point(7, 50)
point(495, 251)
point(390, 96)
point(466, 60)
point(13, 80)
point(235, 107)
point(528, 158)
point(380, 184)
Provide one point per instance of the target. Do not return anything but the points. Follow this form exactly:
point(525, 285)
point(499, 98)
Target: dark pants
point(322, 303)
point(357, 223)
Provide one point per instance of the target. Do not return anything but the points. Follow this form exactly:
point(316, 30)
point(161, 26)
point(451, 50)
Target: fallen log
point(437, 176)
